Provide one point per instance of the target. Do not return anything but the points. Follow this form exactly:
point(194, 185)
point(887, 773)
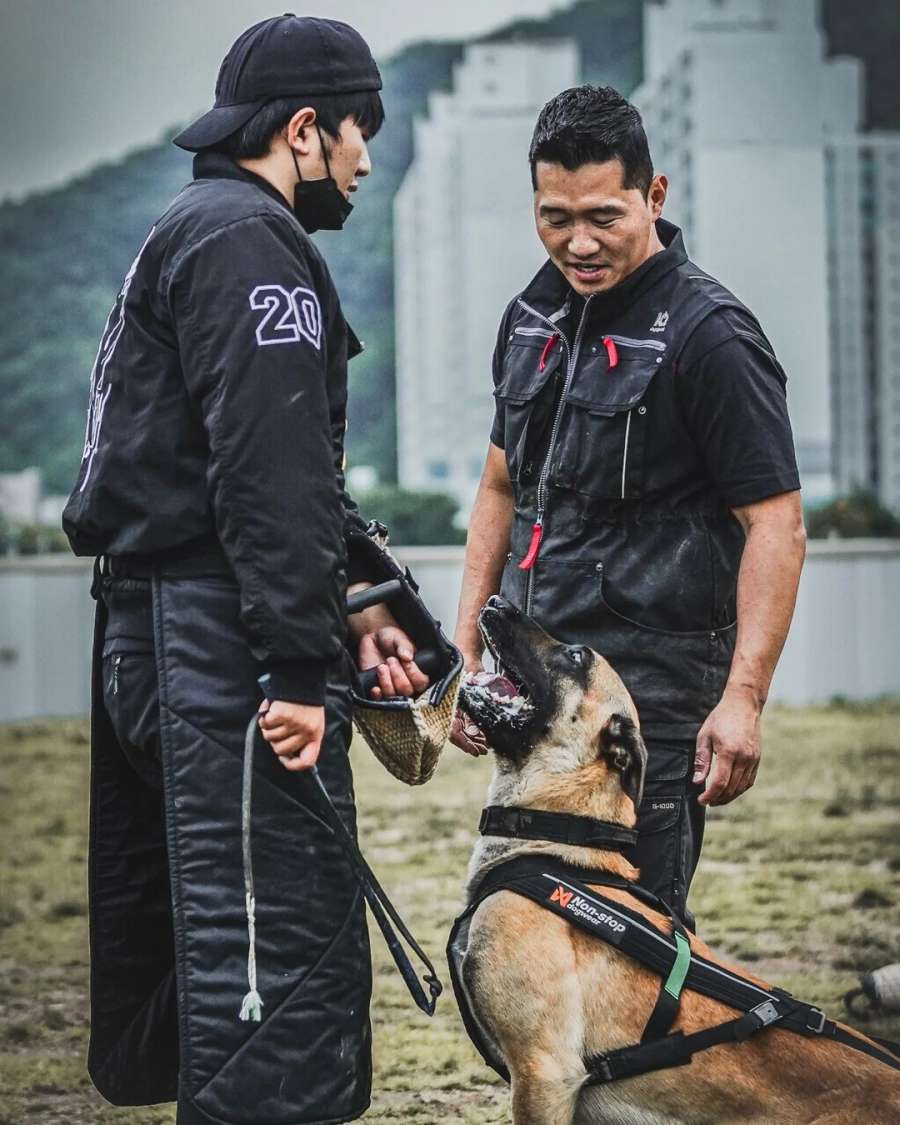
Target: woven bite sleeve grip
point(406, 735)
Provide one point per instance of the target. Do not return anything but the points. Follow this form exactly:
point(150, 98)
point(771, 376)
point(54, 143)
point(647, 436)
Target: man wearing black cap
point(211, 490)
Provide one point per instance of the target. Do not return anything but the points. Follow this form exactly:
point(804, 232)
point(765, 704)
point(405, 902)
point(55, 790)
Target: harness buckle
point(819, 1016)
point(766, 1013)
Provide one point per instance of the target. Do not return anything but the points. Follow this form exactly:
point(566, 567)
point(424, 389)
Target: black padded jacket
point(217, 414)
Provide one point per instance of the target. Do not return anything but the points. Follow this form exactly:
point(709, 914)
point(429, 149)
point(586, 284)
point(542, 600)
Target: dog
point(566, 738)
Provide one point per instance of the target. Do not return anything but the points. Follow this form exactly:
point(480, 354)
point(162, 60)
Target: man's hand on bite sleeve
point(383, 645)
point(392, 653)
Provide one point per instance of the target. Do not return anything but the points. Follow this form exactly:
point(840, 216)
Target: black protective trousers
point(174, 687)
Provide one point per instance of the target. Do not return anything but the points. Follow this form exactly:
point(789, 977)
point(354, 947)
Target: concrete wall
point(845, 639)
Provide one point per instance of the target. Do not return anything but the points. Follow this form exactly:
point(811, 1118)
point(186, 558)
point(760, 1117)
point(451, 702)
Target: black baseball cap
point(282, 57)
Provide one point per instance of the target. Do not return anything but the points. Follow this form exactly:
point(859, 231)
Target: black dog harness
point(564, 890)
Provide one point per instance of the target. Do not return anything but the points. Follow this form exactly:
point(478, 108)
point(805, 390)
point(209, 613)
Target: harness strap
point(667, 1002)
point(678, 1049)
point(886, 1052)
point(812, 1021)
point(379, 903)
point(558, 828)
point(636, 936)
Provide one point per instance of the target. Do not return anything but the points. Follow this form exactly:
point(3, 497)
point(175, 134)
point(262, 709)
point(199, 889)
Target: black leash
point(385, 912)
point(375, 895)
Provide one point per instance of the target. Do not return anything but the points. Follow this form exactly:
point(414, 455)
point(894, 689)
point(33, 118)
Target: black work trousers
point(670, 824)
point(174, 688)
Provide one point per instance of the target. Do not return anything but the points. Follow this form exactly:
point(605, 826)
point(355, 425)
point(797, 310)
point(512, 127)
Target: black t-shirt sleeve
point(731, 389)
point(499, 423)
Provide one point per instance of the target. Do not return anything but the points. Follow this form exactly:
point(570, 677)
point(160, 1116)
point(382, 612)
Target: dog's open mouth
point(499, 689)
point(496, 699)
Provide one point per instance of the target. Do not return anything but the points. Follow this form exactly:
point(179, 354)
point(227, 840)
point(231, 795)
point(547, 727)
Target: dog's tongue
point(494, 682)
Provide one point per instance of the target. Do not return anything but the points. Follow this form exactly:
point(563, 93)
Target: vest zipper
point(625, 454)
point(537, 534)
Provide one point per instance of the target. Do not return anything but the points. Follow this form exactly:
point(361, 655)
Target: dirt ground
point(800, 879)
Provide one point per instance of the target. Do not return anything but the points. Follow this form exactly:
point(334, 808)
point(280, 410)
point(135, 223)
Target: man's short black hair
point(255, 138)
point(589, 124)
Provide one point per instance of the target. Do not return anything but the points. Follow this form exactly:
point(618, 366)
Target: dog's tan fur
point(552, 995)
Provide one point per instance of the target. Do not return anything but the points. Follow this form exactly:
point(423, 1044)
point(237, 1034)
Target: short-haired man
point(640, 492)
point(211, 485)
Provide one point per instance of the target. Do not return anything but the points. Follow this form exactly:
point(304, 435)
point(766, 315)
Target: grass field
point(800, 879)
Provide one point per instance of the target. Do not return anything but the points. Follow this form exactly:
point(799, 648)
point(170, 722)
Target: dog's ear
point(620, 741)
point(623, 748)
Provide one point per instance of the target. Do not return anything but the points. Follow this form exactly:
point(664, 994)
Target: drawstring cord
point(251, 1006)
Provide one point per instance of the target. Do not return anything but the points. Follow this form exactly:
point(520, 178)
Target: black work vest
point(638, 555)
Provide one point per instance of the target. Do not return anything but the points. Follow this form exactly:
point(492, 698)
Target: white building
point(863, 178)
point(20, 495)
point(464, 244)
point(739, 103)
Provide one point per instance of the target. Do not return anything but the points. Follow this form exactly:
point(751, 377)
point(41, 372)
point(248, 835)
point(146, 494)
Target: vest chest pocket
point(529, 364)
point(601, 441)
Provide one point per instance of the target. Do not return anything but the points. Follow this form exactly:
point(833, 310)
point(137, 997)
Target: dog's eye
point(577, 656)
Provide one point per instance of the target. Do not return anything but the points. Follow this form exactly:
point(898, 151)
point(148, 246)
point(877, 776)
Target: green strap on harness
point(669, 998)
point(679, 971)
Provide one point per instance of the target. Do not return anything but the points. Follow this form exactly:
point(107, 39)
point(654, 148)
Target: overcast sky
point(87, 80)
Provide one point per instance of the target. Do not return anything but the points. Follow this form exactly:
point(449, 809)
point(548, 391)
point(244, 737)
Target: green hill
point(64, 252)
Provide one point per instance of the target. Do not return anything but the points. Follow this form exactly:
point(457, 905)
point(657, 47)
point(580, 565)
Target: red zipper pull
point(537, 533)
point(548, 348)
point(612, 351)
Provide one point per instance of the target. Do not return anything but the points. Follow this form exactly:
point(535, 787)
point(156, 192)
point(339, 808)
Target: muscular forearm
point(487, 546)
point(766, 592)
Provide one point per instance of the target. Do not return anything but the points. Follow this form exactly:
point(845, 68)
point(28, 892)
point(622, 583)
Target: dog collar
point(558, 828)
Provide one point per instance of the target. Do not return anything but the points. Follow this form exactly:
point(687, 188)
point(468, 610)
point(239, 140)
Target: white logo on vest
point(659, 325)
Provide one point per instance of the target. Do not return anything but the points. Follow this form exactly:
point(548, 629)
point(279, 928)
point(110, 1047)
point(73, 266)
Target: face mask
point(320, 204)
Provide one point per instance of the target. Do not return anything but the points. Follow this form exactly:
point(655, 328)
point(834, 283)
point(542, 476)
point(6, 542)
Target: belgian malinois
point(566, 738)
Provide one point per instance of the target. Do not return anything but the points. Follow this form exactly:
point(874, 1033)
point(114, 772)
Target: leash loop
point(384, 911)
point(380, 904)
